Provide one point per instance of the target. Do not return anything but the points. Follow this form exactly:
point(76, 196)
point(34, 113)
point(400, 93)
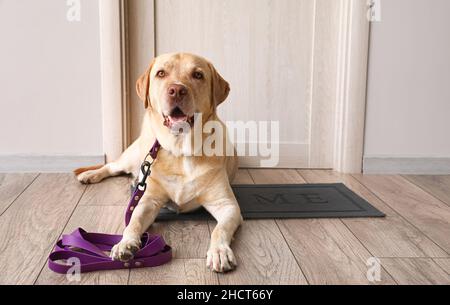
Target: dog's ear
point(220, 87)
point(143, 86)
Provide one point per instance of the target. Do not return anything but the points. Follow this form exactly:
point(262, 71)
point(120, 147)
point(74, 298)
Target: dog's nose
point(177, 91)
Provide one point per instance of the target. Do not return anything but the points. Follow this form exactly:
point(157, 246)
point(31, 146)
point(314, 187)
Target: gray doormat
point(290, 201)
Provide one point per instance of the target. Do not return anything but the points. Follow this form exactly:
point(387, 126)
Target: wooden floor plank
point(424, 211)
point(438, 186)
point(415, 271)
point(100, 219)
point(444, 263)
point(31, 226)
point(242, 177)
point(263, 257)
point(189, 239)
point(11, 186)
point(391, 236)
point(328, 252)
point(176, 272)
point(111, 191)
point(325, 249)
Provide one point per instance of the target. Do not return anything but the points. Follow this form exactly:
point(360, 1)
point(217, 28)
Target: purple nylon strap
point(90, 248)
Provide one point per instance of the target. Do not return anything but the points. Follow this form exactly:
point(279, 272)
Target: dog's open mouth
point(177, 116)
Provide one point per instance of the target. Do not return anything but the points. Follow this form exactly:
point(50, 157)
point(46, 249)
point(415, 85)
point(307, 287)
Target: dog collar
point(155, 149)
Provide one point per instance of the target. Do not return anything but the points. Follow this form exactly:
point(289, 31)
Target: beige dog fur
point(186, 180)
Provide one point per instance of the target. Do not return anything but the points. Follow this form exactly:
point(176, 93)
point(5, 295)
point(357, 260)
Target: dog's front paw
point(125, 250)
point(221, 259)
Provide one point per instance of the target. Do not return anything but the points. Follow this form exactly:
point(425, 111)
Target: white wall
point(50, 102)
point(408, 111)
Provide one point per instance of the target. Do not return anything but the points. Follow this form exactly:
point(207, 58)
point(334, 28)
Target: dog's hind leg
point(127, 163)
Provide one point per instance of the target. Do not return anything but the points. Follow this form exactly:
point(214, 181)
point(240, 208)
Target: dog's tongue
point(173, 122)
point(177, 119)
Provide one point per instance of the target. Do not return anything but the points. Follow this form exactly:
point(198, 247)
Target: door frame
point(114, 85)
point(347, 92)
point(353, 56)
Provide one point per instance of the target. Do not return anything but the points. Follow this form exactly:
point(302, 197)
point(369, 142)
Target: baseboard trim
point(46, 163)
point(407, 165)
point(284, 162)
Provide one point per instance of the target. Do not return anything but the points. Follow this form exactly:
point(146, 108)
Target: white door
point(279, 56)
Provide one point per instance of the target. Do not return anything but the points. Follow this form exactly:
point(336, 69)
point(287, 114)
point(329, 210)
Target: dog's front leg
point(143, 217)
point(220, 257)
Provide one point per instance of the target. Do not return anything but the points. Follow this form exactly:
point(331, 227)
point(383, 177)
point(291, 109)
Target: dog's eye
point(198, 75)
point(161, 73)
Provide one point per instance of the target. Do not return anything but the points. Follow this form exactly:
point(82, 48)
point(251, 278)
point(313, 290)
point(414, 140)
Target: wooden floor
point(412, 242)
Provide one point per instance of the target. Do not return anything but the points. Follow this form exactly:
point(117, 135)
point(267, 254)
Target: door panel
point(264, 48)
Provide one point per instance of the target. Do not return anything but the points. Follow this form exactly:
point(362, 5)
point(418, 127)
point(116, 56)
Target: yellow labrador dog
point(173, 89)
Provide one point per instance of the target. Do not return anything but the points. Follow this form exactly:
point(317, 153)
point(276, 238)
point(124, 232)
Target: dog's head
point(176, 86)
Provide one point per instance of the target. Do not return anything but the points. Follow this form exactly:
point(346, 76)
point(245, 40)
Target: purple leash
point(142, 186)
point(90, 248)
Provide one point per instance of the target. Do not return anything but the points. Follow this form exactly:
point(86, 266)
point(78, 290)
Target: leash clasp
point(146, 165)
point(146, 171)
